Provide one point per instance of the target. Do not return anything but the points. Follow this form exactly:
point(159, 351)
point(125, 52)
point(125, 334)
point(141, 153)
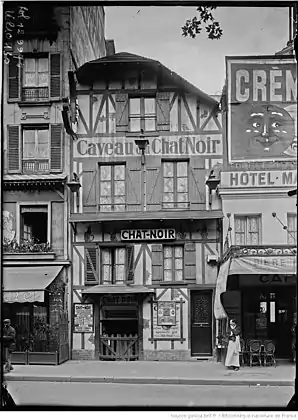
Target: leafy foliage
point(194, 26)
point(26, 246)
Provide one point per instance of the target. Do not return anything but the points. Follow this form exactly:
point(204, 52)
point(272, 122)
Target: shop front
point(259, 291)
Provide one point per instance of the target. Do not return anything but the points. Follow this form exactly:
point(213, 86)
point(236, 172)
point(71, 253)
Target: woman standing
point(232, 358)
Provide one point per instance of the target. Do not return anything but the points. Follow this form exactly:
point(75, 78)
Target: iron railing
point(35, 94)
point(36, 165)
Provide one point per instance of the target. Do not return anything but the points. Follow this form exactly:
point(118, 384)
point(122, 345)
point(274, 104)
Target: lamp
point(212, 181)
point(142, 143)
point(74, 185)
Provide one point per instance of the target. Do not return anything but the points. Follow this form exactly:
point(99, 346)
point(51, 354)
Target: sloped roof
point(86, 73)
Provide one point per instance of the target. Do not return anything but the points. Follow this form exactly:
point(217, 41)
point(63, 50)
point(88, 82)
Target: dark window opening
point(34, 224)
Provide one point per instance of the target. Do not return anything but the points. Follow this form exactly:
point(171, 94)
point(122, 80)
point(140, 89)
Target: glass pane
point(272, 311)
point(168, 169)
point(43, 79)
point(106, 256)
point(120, 273)
point(134, 106)
point(105, 200)
point(253, 224)
point(178, 252)
point(239, 224)
point(119, 200)
point(29, 144)
point(182, 185)
point(105, 208)
point(254, 239)
point(30, 79)
point(43, 66)
point(105, 173)
point(240, 239)
point(30, 65)
point(168, 185)
point(149, 106)
point(105, 188)
point(168, 275)
point(168, 263)
point(178, 275)
point(119, 207)
point(120, 255)
point(135, 124)
point(119, 172)
point(43, 144)
point(119, 188)
point(107, 273)
point(181, 168)
point(150, 124)
point(167, 251)
point(178, 264)
point(182, 197)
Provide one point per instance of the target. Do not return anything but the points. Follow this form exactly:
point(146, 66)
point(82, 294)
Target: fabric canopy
point(27, 284)
point(277, 264)
point(116, 289)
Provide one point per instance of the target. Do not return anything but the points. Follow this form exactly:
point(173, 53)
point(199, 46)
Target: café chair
point(243, 351)
point(269, 353)
point(254, 352)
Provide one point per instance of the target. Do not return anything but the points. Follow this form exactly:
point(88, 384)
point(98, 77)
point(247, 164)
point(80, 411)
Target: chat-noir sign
point(262, 108)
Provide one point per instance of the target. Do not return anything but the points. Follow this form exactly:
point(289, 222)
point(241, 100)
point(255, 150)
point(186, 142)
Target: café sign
point(148, 234)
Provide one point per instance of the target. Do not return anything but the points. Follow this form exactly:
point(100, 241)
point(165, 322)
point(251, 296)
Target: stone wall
point(83, 354)
point(166, 355)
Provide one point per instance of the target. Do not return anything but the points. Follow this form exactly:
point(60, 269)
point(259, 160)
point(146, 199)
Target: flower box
point(43, 358)
point(19, 358)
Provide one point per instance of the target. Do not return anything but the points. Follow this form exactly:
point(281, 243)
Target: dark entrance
point(201, 323)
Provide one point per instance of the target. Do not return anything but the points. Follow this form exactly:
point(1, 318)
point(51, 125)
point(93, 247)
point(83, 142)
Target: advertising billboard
point(262, 108)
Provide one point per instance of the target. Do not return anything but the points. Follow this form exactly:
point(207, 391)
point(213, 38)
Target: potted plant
point(221, 348)
point(45, 343)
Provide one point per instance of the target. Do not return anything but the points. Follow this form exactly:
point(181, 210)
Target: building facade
point(145, 240)
point(257, 278)
point(42, 44)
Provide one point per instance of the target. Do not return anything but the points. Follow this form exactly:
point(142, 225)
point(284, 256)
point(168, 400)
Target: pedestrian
point(232, 358)
point(9, 339)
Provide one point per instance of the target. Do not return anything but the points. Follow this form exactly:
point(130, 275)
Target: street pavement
point(142, 372)
point(152, 395)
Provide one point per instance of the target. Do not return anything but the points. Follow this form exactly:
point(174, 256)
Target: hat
point(6, 320)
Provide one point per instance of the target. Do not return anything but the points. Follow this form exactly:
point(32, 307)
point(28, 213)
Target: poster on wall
point(83, 318)
point(169, 332)
point(166, 313)
point(262, 108)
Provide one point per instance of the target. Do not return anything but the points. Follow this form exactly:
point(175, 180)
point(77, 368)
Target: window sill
point(145, 134)
point(31, 255)
point(23, 104)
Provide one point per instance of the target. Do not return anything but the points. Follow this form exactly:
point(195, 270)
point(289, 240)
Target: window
point(142, 114)
point(112, 188)
point(175, 185)
point(292, 229)
point(34, 224)
point(116, 265)
point(173, 263)
point(35, 86)
point(247, 230)
point(36, 149)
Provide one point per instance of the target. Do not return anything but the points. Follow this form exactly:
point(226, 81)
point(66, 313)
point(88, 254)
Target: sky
point(155, 32)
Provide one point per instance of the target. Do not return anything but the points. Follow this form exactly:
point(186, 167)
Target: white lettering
point(242, 95)
point(259, 83)
point(275, 85)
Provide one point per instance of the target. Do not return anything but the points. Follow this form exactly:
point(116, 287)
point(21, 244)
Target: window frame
point(21, 204)
point(36, 98)
point(112, 181)
point(36, 59)
point(142, 116)
point(293, 232)
point(246, 218)
point(36, 127)
point(175, 180)
point(173, 258)
point(112, 251)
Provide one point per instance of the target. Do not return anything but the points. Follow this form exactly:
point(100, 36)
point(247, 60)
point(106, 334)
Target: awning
point(116, 289)
point(27, 284)
point(275, 264)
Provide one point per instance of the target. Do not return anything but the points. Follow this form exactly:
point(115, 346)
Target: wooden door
point(201, 323)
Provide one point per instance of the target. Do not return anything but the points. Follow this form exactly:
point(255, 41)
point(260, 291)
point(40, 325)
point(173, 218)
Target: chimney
point(110, 47)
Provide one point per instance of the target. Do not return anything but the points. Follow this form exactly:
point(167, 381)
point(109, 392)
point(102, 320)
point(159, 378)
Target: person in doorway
point(9, 339)
point(232, 358)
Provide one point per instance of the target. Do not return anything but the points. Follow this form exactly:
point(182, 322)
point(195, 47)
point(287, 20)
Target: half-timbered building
point(146, 232)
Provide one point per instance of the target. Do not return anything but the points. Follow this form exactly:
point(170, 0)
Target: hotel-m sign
point(259, 179)
point(148, 234)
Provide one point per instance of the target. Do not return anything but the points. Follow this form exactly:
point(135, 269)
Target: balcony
point(34, 166)
point(35, 94)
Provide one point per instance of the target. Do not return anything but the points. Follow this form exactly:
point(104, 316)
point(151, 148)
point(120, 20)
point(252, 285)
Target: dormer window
point(142, 114)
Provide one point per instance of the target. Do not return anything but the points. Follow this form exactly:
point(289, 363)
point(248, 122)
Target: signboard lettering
point(148, 234)
point(166, 331)
point(259, 179)
point(83, 318)
point(166, 313)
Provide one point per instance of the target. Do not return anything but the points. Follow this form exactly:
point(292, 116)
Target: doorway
point(201, 323)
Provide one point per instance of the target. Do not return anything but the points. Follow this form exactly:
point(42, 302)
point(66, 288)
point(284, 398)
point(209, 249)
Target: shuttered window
point(247, 230)
point(36, 151)
point(14, 79)
point(116, 265)
point(292, 229)
point(13, 148)
point(142, 114)
point(112, 192)
point(56, 153)
point(55, 76)
point(173, 263)
point(35, 83)
point(175, 185)
point(91, 265)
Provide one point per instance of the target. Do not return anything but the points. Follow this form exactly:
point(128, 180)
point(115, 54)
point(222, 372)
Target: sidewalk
point(188, 373)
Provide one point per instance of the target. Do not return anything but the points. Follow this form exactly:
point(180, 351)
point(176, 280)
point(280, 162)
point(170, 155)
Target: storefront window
point(272, 311)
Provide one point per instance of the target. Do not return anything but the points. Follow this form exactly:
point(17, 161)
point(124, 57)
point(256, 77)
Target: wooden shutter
point(190, 262)
point(197, 187)
point(133, 184)
point(122, 112)
point(55, 76)
point(14, 80)
point(91, 265)
point(13, 148)
point(157, 263)
point(89, 189)
point(163, 111)
point(56, 148)
point(154, 186)
point(130, 263)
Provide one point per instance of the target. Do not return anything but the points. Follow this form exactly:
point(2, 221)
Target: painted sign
point(148, 234)
point(263, 265)
point(262, 108)
point(8, 227)
point(23, 297)
point(166, 331)
point(246, 179)
point(166, 313)
point(267, 280)
point(199, 145)
point(83, 318)
point(119, 300)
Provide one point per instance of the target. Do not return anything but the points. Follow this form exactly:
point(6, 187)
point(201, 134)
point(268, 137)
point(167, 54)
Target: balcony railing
point(36, 165)
point(35, 94)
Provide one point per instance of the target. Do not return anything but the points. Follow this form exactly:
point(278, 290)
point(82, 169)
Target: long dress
point(232, 358)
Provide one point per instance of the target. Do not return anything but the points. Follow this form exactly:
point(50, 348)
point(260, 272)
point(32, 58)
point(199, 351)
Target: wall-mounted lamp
point(74, 185)
point(142, 143)
point(212, 182)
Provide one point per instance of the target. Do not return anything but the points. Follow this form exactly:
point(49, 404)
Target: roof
point(86, 73)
